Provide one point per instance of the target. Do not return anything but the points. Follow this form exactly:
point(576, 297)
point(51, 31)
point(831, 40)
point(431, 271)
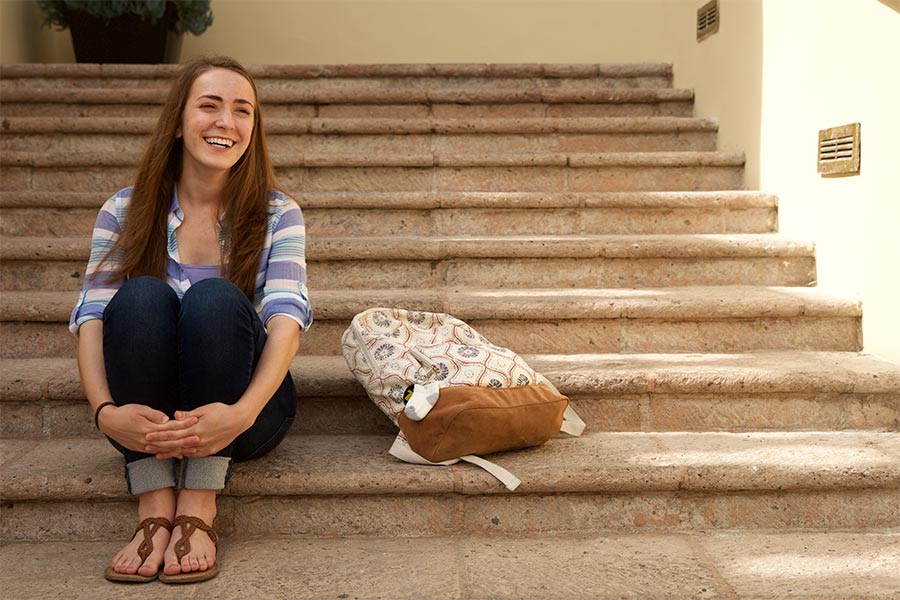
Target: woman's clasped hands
point(200, 432)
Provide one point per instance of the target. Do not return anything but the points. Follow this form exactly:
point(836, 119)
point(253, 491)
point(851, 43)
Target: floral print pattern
point(384, 351)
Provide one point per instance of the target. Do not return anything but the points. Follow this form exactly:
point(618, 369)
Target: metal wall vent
point(707, 20)
point(839, 150)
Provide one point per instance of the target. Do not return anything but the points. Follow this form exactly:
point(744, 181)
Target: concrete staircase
point(578, 214)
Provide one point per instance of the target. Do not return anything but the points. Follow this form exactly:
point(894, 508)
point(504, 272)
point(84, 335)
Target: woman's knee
point(213, 299)
point(144, 295)
point(145, 308)
point(214, 313)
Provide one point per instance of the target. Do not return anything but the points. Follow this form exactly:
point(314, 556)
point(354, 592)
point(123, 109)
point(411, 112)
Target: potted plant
point(127, 31)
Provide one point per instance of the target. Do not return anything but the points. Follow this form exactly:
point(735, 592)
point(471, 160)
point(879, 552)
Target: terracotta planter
point(125, 39)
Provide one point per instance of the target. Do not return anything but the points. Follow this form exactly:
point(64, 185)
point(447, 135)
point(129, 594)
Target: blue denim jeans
point(180, 355)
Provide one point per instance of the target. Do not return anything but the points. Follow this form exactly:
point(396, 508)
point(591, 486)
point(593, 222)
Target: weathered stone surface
point(717, 200)
point(536, 179)
point(21, 420)
point(540, 336)
point(601, 566)
point(648, 178)
point(774, 411)
point(348, 179)
point(813, 565)
point(358, 111)
point(594, 463)
point(760, 391)
point(36, 340)
point(571, 568)
point(15, 179)
point(715, 319)
point(11, 450)
point(835, 334)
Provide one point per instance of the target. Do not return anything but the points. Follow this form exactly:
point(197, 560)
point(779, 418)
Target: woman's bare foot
point(157, 503)
point(202, 556)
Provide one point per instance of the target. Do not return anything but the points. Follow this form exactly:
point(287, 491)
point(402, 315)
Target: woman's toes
point(185, 565)
point(147, 568)
point(128, 567)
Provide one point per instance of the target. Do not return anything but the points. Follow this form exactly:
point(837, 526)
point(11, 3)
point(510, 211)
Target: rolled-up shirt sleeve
point(284, 287)
point(97, 290)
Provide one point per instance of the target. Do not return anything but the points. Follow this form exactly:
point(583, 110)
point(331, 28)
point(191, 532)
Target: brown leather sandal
point(149, 526)
point(188, 526)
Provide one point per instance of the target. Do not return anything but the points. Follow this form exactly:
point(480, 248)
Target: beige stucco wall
point(855, 221)
point(767, 76)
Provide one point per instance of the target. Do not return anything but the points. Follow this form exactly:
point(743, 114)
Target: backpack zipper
point(433, 369)
point(362, 345)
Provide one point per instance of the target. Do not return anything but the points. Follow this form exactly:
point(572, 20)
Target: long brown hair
point(142, 245)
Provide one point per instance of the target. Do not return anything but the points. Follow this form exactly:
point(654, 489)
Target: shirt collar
point(175, 207)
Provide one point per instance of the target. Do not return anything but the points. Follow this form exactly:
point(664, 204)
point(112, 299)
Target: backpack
point(489, 398)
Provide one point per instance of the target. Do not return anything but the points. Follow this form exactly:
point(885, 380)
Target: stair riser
point(511, 273)
point(365, 111)
point(66, 222)
point(570, 336)
point(461, 86)
point(602, 412)
point(425, 179)
point(507, 514)
point(504, 273)
point(289, 145)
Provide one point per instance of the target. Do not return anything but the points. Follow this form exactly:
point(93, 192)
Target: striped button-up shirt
point(280, 282)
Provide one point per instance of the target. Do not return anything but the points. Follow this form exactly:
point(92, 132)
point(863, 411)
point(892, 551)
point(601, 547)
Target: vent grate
point(839, 150)
point(707, 20)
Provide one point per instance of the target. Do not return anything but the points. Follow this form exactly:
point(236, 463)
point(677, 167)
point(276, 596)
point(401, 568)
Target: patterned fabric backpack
point(391, 350)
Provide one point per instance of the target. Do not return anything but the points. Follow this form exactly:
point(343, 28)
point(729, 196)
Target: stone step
point(74, 489)
point(537, 321)
point(426, 172)
point(786, 390)
point(100, 136)
point(480, 261)
point(589, 103)
point(775, 565)
point(420, 159)
point(60, 214)
point(428, 80)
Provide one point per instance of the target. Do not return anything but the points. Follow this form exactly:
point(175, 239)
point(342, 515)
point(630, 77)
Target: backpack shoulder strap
point(400, 449)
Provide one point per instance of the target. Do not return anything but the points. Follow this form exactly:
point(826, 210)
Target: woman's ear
point(178, 133)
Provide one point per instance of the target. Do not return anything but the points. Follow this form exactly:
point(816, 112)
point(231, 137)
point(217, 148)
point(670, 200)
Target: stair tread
point(665, 159)
point(436, 247)
point(434, 200)
point(327, 126)
point(601, 566)
point(695, 303)
point(394, 95)
point(598, 463)
point(774, 372)
point(306, 71)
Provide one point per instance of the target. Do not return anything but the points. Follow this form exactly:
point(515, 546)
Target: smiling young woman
point(190, 314)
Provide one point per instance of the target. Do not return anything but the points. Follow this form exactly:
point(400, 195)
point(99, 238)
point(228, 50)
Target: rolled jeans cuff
point(148, 474)
point(204, 473)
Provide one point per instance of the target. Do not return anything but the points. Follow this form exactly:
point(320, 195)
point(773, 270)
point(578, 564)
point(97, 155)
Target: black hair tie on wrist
point(97, 413)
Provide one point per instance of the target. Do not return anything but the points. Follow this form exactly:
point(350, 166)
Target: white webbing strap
point(400, 449)
point(572, 423)
point(508, 479)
